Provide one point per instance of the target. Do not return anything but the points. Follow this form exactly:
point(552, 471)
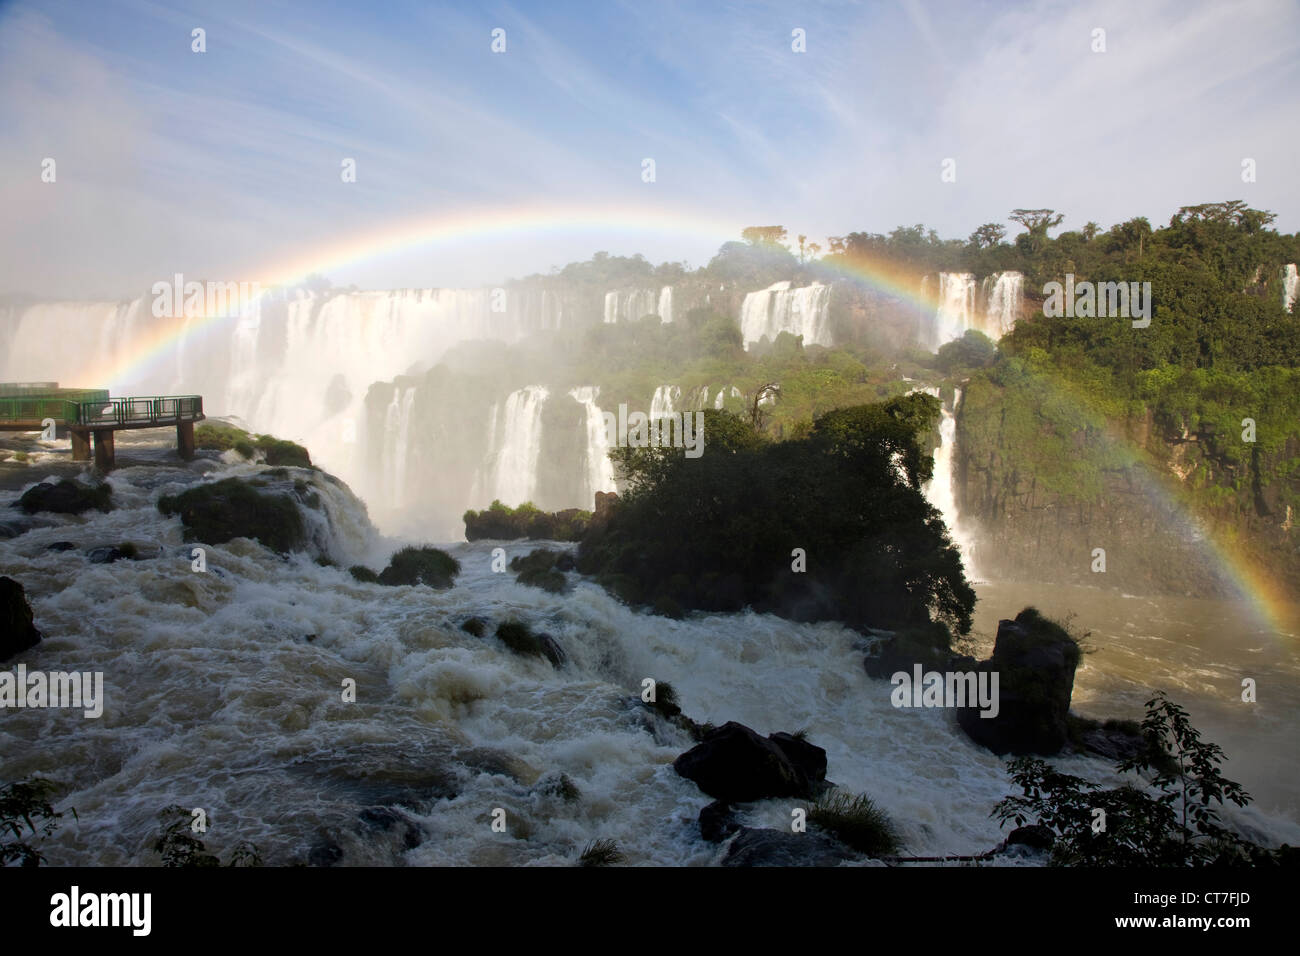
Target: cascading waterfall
point(622, 306)
point(941, 489)
point(1290, 286)
point(274, 363)
point(665, 401)
point(1003, 292)
point(510, 473)
point(779, 308)
point(666, 303)
point(599, 474)
point(991, 308)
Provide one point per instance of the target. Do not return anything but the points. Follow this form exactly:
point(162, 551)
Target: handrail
point(143, 410)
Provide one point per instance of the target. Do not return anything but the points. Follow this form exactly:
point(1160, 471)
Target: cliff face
point(1166, 510)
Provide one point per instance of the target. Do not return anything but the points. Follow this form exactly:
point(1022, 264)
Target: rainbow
point(1275, 606)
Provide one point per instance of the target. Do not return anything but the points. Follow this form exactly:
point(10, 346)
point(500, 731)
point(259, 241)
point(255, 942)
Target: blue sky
point(210, 163)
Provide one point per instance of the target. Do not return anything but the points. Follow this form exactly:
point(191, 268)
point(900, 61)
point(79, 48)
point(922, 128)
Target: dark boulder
point(520, 638)
point(718, 821)
point(220, 511)
point(18, 633)
point(67, 497)
point(1035, 660)
point(1036, 837)
point(736, 765)
point(753, 847)
point(61, 546)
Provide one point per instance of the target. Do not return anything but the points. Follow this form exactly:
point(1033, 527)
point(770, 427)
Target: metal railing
point(139, 411)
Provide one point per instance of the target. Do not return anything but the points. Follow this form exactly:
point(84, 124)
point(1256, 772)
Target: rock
point(1035, 836)
point(475, 626)
point(67, 497)
point(61, 546)
point(565, 562)
point(18, 633)
point(431, 567)
point(734, 764)
point(754, 847)
point(388, 820)
point(325, 853)
point(520, 639)
point(1115, 740)
point(106, 555)
point(1035, 661)
point(808, 758)
point(221, 511)
point(718, 821)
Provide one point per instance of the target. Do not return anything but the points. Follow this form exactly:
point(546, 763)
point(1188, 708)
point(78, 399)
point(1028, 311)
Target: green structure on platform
point(84, 413)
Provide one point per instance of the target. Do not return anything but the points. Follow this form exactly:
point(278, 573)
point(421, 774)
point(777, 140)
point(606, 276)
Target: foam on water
point(223, 691)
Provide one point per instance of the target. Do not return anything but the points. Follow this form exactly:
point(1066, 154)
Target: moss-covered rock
point(234, 508)
point(218, 436)
point(501, 523)
point(428, 566)
point(519, 637)
point(66, 497)
point(363, 574)
point(539, 569)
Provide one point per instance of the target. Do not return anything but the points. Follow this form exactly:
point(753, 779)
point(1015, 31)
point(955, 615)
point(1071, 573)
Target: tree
point(25, 804)
point(988, 235)
point(1090, 230)
point(1037, 221)
point(757, 398)
point(1177, 826)
point(764, 235)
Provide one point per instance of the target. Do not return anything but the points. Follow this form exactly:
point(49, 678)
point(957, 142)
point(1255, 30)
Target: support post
point(105, 459)
point(80, 444)
point(185, 440)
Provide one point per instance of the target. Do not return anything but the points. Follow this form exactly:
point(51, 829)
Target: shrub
point(857, 822)
point(428, 566)
point(363, 574)
point(601, 853)
point(25, 804)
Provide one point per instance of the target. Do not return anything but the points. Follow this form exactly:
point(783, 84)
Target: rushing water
point(224, 692)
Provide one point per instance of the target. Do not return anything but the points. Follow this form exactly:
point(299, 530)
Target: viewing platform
point(88, 414)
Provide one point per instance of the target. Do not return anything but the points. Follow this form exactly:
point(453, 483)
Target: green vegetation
point(601, 853)
point(26, 812)
point(502, 523)
point(718, 533)
point(363, 574)
point(218, 436)
point(232, 508)
point(1177, 825)
point(429, 566)
point(857, 822)
point(521, 639)
point(539, 570)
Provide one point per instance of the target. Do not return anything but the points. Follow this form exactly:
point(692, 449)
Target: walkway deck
point(91, 413)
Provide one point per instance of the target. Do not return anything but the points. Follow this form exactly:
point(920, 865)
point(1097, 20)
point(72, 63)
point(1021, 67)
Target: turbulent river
point(223, 691)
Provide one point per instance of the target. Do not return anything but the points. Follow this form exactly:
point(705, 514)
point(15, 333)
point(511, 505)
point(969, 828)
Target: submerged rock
point(18, 633)
point(718, 821)
point(753, 847)
point(66, 497)
point(735, 764)
point(521, 639)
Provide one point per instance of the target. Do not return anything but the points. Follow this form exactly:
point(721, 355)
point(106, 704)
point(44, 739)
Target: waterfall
point(941, 489)
point(665, 401)
point(992, 308)
point(666, 303)
point(1290, 286)
point(1002, 291)
point(779, 308)
point(509, 474)
point(622, 306)
point(599, 474)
